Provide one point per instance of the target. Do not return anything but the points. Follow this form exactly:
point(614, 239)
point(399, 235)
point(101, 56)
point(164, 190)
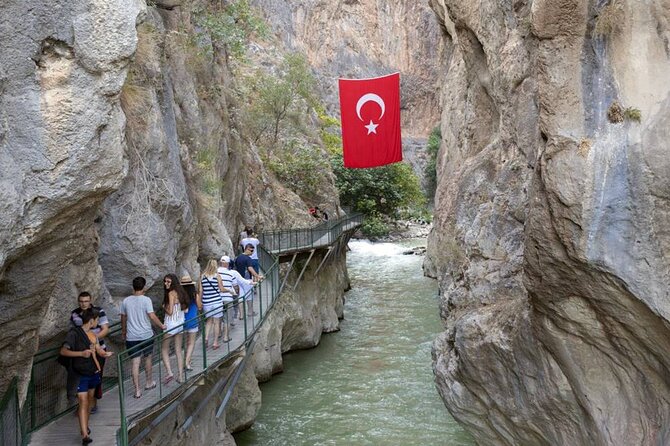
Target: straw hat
point(186, 280)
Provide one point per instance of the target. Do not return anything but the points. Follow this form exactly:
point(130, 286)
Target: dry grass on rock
point(610, 18)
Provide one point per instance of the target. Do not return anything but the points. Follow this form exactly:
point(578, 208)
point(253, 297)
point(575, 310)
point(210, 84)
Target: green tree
point(378, 191)
point(231, 25)
point(277, 100)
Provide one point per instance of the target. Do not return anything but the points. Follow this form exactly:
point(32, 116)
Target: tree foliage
point(230, 25)
point(378, 191)
point(277, 100)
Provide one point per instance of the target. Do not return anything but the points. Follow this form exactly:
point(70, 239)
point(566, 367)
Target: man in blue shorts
point(82, 346)
point(137, 314)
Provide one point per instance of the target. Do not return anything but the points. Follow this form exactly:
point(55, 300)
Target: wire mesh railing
point(11, 429)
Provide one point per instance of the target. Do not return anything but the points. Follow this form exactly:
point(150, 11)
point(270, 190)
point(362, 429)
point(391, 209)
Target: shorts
point(87, 383)
point(145, 351)
point(256, 265)
point(210, 310)
point(171, 329)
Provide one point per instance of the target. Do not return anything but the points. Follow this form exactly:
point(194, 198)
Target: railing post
point(33, 406)
point(244, 308)
point(260, 299)
point(203, 330)
point(122, 402)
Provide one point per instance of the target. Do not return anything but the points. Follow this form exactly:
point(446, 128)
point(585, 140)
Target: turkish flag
point(370, 110)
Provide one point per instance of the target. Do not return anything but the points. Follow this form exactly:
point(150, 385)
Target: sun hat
point(186, 280)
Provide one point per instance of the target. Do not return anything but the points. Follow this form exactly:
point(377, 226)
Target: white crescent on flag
point(370, 97)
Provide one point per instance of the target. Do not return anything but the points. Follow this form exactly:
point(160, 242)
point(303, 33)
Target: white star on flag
point(372, 127)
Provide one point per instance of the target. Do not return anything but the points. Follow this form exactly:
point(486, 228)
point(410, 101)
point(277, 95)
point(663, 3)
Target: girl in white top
point(175, 302)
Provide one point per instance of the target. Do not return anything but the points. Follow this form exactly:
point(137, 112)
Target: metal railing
point(11, 428)
point(290, 240)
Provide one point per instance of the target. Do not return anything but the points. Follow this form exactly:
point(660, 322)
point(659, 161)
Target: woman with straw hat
point(191, 318)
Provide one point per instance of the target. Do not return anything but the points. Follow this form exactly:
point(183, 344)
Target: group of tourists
point(221, 283)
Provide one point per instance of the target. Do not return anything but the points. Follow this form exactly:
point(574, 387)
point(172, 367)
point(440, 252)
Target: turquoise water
point(372, 382)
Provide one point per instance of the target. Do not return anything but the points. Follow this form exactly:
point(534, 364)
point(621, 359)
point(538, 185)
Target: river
point(371, 383)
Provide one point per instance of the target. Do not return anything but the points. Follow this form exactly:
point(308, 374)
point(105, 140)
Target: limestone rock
point(61, 155)
point(547, 240)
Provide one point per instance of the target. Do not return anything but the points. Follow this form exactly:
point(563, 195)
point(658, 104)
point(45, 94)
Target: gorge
point(132, 142)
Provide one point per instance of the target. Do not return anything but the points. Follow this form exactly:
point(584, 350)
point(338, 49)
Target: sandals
point(215, 347)
point(167, 379)
point(226, 340)
point(137, 396)
point(189, 368)
point(86, 440)
point(150, 386)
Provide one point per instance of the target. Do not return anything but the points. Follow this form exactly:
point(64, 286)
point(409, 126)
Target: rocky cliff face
point(62, 152)
point(549, 240)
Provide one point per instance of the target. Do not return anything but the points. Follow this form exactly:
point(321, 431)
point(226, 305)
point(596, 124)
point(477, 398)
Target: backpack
point(82, 366)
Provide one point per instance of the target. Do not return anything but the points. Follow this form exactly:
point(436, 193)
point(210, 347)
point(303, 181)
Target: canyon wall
point(549, 242)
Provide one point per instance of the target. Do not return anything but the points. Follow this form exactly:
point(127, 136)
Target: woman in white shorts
point(210, 289)
point(175, 303)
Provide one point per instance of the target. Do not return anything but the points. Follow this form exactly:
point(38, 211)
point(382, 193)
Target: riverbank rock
point(548, 239)
point(416, 251)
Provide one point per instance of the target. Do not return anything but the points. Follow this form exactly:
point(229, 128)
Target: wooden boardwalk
point(104, 424)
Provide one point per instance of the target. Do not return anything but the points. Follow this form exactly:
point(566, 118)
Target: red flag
point(370, 110)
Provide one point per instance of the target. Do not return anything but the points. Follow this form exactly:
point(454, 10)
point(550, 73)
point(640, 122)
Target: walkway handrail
point(11, 427)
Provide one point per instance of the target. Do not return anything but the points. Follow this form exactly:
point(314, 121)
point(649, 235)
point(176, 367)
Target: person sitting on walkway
point(210, 288)
point(191, 317)
point(85, 301)
point(175, 302)
point(137, 315)
point(245, 266)
point(82, 345)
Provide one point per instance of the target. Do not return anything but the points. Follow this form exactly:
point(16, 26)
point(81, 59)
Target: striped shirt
point(230, 277)
point(210, 290)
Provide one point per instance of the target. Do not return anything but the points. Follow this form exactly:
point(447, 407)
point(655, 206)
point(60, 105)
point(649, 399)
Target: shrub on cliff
point(278, 103)
point(228, 24)
point(301, 167)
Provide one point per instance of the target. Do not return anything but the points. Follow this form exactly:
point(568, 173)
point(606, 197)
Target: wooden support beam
point(311, 253)
point(330, 249)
